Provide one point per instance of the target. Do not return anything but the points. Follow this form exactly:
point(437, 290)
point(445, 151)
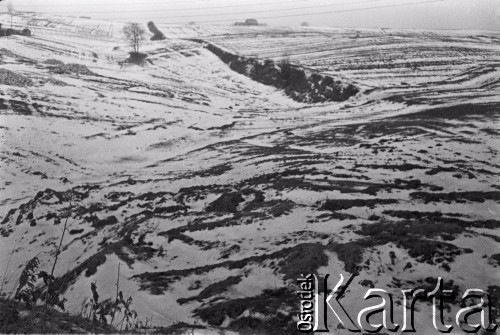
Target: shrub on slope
point(72, 68)
point(15, 318)
point(296, 82)
point(157, 34)
point(11, 78)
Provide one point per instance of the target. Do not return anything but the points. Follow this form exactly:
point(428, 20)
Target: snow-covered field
point(188, 173)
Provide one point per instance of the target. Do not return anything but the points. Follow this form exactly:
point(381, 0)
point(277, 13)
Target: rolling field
point(375, 57)
point(215, 192)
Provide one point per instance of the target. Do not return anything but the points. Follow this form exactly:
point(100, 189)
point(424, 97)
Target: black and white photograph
point(280, 167)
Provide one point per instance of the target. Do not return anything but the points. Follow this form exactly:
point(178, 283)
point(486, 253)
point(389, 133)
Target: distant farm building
point(251, 22)
point(248, 22)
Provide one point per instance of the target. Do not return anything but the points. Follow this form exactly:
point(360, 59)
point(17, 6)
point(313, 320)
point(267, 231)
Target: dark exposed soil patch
point(340, 204)
point(496, 258)
point(223, 127)
point(444, 219)
point(439, 169)
point(336, 216)
point(425, 237)
point(491, 131)
point(252, 211)
point(52, 61)
point(269, 303)
point(177, 233)
point(170, 209)
point(415, 236)
point(460, 112)
point(226, 253)
point(227, 202)
point(3, 105)
point(11, 78)
point(255, 208)
point(110, 220)
point(213, 289)
point(274, 325)
point(120, 248)
point(48, 197)
point(217, 170)
point(280, 207)
point(186, 194)
point(71, 68)
point(179, 328)
point(93, 263)
point(473, 196)
point(395, 167)
point(303, 179)
point(308, 254)
point(305, 258)
point(75, 231)
point(20, 107)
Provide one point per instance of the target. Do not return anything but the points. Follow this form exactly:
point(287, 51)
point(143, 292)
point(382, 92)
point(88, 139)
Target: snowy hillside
point(209, 187)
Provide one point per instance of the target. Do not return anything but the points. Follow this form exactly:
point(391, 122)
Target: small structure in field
point(251, 22)
point(248, 22)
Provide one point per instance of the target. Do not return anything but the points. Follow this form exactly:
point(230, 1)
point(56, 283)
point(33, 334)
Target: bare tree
point(135, 35)
point(10, 10)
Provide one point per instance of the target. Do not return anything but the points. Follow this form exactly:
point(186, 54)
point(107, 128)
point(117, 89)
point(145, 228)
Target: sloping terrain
point(375, 57)
point(58, 25)
point(215, 192)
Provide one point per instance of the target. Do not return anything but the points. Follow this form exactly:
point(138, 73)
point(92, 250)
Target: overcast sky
point(426, 14)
